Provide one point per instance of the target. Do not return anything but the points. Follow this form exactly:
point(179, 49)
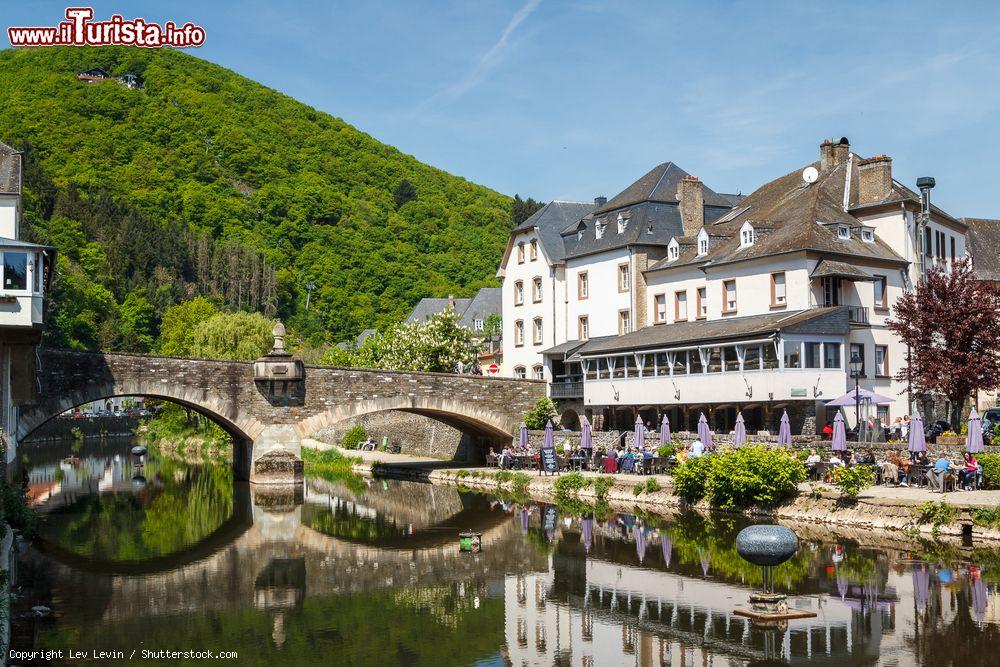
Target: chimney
point(875, 177)
point(691, 194)
point(826, 161)
point(841, 150)
point(600, 201)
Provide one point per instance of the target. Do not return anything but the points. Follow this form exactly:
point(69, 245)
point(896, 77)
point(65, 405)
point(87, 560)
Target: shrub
point(691, 477)
point(520, 482)
point(750, 475)
point(991, 469)
point(666, 450)
point(354, 437)
point(987, 516)
point(601, 487)
point(637, 489)
point(852, 481)
point(16, 510)
point(461, 473)
point(652, 485)
point(538, 416)
point(571, 484)
point(937, 514)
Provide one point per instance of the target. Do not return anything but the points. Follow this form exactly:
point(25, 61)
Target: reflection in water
point(376, 577)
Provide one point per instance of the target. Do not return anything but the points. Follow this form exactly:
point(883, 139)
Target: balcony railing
point(566, 389)
point(857, 314)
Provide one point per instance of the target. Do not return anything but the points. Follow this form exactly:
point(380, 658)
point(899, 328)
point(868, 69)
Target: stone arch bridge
point(268, 426)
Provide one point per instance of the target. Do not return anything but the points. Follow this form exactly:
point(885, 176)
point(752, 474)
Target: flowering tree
point(951, 324)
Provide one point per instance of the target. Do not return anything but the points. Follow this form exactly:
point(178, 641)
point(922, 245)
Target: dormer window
point(599, 228)
point(702, 243)
point(746, 235)
point(868, 235)
point(649, 230)
point(622, 224)
point(673, 250)
point(843, 232)
point(579, 235)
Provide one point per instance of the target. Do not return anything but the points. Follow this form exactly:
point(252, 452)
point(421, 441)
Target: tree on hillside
point(179, 324)
point(951, 324)
point(522, 209)
point(237, 336)
point(135, 324)
point(405, 192)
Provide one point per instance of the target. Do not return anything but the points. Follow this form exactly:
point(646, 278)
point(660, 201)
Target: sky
point(571, 100)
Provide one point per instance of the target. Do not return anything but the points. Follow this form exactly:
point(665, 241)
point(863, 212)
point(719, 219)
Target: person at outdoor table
point(835, 460)
point(940, 470)
point(896, 430)
point(969, 471)
point(491, 457)
point(813, 459)
point(697, 448)
point(828, 431)
point(506, 455)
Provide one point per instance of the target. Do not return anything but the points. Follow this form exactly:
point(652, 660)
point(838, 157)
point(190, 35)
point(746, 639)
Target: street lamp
point(856, 363)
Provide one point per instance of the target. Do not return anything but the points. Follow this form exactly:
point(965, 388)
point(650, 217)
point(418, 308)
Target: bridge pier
point(276, 456)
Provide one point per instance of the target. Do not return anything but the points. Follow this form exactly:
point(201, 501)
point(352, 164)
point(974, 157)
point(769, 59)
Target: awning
point(563, 349)
point(830, 269)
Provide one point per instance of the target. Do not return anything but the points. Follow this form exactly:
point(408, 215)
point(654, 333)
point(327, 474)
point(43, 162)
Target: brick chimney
point(600, 201)
point(826, 155)
point(840, 151)
point(691, 194)
point(875, 177)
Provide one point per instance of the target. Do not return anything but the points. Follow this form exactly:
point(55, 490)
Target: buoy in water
point(470, 542)
point(138, 450)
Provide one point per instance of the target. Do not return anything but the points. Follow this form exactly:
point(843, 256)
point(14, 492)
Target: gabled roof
point(659, 184)
point(431, 306)
point(485, 303)
point(10, 170)
point(832, 269)
point(818, 321)
point(984, 246)
point(550, 220)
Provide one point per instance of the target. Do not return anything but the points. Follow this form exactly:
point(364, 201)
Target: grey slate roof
point(363, 336)
point(550, 220)
point(829, 321)
point(485, 303)
point(827, 267)
point(660, 184)
point(984, 246)
point(431, 306)
point(10, 170)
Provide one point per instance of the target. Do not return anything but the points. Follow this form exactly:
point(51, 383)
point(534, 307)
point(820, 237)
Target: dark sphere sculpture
point(766, 545)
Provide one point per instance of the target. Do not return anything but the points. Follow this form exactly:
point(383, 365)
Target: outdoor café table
point(576, 462)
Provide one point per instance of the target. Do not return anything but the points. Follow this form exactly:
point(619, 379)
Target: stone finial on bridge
point(278, 349)
point(279, 375)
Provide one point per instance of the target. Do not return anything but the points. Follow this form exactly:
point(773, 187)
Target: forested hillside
point(204, 182)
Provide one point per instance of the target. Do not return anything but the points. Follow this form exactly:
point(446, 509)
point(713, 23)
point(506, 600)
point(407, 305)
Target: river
point(175, 556)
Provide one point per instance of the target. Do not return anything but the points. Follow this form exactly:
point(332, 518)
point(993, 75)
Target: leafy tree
point(492, 325)
point(544, 410)
point(135, 324)
point(405, 192)
point(522, 209)
point(239, 336)
point(179, 323)
point(951, 323)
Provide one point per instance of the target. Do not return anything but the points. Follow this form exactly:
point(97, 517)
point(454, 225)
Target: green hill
point(204, 182)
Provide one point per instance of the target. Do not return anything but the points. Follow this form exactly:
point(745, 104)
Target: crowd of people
point(903, 469)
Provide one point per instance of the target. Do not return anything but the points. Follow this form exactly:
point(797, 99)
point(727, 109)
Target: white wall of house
point(9, 222)
point(604, 300)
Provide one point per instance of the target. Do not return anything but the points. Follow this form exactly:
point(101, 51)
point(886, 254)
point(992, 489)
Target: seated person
point(813, 458)
point(970, 469)
point(506, 457)
point(942, 468)
point(697, 448)
point(491, 457)
point(835, 460)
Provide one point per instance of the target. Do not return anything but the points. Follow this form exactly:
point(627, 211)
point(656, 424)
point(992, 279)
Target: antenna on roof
point(810, 174)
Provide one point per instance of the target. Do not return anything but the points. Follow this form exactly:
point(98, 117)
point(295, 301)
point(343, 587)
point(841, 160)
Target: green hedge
point(991, 469)
point(750, 475)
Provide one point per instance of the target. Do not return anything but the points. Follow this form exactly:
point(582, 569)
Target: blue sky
point(569, 100)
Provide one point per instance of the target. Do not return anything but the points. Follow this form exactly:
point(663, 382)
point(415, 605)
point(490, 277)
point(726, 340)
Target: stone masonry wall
point(415, 434)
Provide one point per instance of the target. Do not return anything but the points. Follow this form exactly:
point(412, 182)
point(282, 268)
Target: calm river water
point(176, 557)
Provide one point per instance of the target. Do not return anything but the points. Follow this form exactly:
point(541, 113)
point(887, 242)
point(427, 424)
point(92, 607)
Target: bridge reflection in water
point(546, 588)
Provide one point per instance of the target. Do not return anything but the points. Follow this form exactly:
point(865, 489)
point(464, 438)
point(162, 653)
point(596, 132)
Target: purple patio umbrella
point(586, 437)
point(667, 545)
point(784, 431)
point(740, 435)
point(640, 542)
point(851, 399)
point(974, 440)
point(979, 599)
point(639, 439)
point(522, 435)
point(916, 437)
point(587, 526)
point(921, 585)
point(839, 442)
point(704, 434)
point(665, 430)
point(549, 438)
point(524, 520)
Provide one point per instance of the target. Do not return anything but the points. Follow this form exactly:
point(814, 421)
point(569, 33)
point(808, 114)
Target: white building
point(26, 272)
point(680, 300)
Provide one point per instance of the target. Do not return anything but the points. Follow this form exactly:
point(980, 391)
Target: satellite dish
point(810, 174)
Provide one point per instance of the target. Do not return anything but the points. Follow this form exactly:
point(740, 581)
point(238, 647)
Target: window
point(518, 292)
point(37, 269)
point(714, 355)
point(519, 333)
point(622, 224)
point(728, 296)
point(583, 327)
point(702, 302)
point(702, 243)
point(536, 331)
point(536, 289)
point(520, 252)
point(599, 228)
point(533, 253)
point(579, 235)
point(694, 358)
point(680, 363)
point(661, 307)
point(928, 246)
point(751, 358)
point(478, 325)
point(831, 291)
point(881, 297)
point(624, 322)
point(519, 373)
point(746, 235)
point(882, 361)
point(770, 356)
point(952, 248)
point(793, 354)
point(831, 355)
point(843, 232)
point(582, 285)
point(680, 306)
point(813, 354)
point(673, 250)
point(537, 372)
point(731, 359)
point(778, 293)
point(623, 277)
point(859, 349)
point(868, 236)
point(15, 270)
